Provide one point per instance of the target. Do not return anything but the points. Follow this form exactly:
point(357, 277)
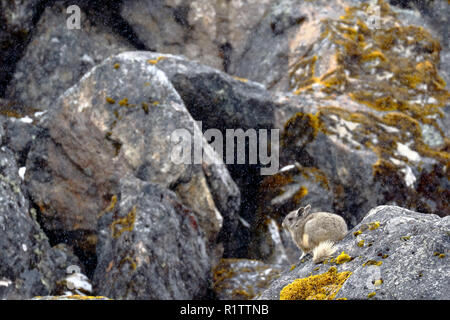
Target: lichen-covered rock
point(353, 139)
point(28, 265)
point(57, 57)
point(288, 31)
point(121, 116)
point(217, 99)
point(394, 253)
point(150, 246)
point(223, 102)
point(242, 279)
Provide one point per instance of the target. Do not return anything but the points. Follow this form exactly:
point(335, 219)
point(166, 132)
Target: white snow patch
point(410, 178)
point(22, 171)
point(287, 168)
point(87, 59)
point(5, 282)
point(406, 151)
point(40, 113)
point(26, 119)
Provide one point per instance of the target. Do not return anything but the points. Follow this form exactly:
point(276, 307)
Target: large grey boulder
point(57, 57)
point(217, 99)
point(394, 253)
point(119, 120)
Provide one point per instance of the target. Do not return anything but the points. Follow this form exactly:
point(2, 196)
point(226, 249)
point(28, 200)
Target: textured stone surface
point(242, 279)
point(57, 57)
point(117, 129)
point(150, 247)
point(211, 32)
point(406, 250)
point(28, 265)
point(16, 23)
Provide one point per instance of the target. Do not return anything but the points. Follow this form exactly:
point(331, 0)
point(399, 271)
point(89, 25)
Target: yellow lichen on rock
point(126, 223)
point(389, 68)
point(323, 286)
point(343, 258)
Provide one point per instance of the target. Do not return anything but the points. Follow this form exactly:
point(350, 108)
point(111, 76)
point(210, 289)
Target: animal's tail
point(323, 250)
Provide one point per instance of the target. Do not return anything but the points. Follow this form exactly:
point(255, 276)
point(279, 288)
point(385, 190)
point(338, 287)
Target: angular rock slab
point(119, 118)
point(394, 253)
point(150, 247)
point(217, 99)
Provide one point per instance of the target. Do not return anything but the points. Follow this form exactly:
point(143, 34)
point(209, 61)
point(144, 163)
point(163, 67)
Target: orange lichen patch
point(126, 223)
point(110, 100)
point(374, 225)
point(372, 263)
point(130, 261)
point(144, 106)
point(110, 207)
point(357, 233)
point(124, 102)
point(276, 181)
point(240, 79)
point(384, 144)
point(299, 130)
point(323, 286)
point(343, 258)
point(299, 195)
point(155, 61)
point(391, 67)
point(315, 175)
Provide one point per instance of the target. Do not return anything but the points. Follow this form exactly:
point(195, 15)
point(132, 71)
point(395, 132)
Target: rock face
point(218, 100)
point(150, 246)
point(117, 131)
point(353, 139)
point(100, 110)
point(16, 22)
point(357, 90)
point(28, 265)
point(211, 32)
point(242, 279)
point(57, 56)
point(393, 253)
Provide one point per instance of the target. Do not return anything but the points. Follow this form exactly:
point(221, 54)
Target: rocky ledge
point(351, 95)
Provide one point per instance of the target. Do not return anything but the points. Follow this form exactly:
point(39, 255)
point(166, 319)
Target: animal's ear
point(307, 209)
point(303, 211)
